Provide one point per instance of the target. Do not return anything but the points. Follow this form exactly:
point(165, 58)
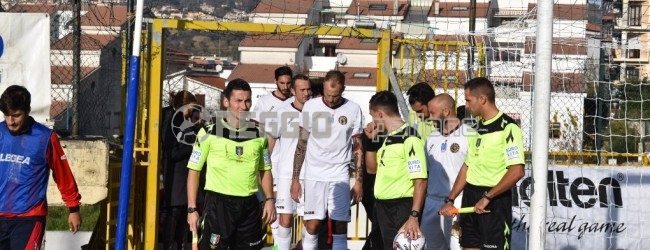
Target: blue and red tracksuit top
point(25, 163)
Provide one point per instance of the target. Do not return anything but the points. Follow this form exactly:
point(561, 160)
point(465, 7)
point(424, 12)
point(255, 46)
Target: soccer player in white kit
point(264, 110)
point(446, 149)
point(330, 134)
point(284, 132)
point(277, 98)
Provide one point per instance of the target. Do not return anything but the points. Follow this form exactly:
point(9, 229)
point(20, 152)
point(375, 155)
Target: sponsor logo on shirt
point(414, 166)
point(267, 158)
point(343, 120)
point(14, 158)
point(196, 155)
point(454, 147)
point(512, 153)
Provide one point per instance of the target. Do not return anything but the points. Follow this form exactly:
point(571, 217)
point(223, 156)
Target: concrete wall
point(89, 162)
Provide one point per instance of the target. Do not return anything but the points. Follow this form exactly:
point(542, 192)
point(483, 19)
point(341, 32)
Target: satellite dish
point(341, 59)
point(219, 68)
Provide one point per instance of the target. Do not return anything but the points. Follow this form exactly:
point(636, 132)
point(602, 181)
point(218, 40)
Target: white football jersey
point(286, 129)
point(445, 157)
point(329, 148)
point(266, 103)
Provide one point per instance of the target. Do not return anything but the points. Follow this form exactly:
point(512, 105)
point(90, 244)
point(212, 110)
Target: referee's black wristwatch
point(415, 213)
point(449, 200)
point(486, 196)
point(191, 210)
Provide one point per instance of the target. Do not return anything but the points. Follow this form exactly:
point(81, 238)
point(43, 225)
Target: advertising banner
point(25, 58)
point(588, 208)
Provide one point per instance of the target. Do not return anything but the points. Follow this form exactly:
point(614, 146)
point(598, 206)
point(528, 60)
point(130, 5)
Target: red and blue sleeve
point(62, 174)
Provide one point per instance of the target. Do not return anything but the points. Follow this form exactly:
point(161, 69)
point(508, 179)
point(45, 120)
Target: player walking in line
point(494, 164)
point(28, 152)
point(284, 132)
point(328, 138)
point(419, 96)
point(236, 155)
point(269, 103)
point(401, 172)
point(277, 98)
point(446, 149)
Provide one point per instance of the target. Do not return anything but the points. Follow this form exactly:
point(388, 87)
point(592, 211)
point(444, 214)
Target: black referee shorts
point(231, 221)
point(391, 216)
point(490, 230)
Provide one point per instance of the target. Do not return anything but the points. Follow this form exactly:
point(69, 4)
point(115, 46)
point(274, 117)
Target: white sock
point(283, 238)
point(339, 242)
point(274, 228)
point(309, 242)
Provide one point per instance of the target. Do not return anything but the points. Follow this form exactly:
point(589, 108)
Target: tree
point(565, 129)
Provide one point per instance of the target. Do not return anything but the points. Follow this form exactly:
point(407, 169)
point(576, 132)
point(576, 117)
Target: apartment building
point(99, 95)
point(626, 28)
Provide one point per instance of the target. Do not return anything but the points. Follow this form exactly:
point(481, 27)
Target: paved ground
point(64, 240)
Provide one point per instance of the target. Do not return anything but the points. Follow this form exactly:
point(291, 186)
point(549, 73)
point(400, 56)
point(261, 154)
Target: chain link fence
point(86, 62)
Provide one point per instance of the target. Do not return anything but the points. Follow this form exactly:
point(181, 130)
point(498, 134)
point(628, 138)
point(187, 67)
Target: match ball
point(402, 242)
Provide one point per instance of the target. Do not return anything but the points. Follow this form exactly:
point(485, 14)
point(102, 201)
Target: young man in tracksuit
point(28, 152)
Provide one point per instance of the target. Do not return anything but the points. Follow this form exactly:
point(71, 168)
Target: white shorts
point(332, 197)
point(283, 202)
point(275, 185)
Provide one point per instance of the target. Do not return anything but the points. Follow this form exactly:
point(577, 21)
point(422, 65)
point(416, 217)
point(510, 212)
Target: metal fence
point(86, 62)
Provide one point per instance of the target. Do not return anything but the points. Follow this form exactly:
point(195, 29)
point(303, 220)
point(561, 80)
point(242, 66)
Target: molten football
point(401, 242)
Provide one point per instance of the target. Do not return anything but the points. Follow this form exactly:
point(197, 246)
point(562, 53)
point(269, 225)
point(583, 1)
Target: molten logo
point(582, 191)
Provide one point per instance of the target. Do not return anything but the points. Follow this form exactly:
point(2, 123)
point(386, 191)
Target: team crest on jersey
point(214, 240)
point(239, 150)
point(478, 142)
point(454, 147)
point(343, 120)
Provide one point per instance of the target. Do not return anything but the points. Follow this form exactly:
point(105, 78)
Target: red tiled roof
point(355, 80)
point(213, 81)
point(104, 15)
point(593, 27)
point(458, 9)
point(560, 82)
point(272, 40)
point(357, 43)
point(364, 43)
point(284, 6)
point(255, 73)
point(58, 107)
point(88, 42)
point(64, 74)
point(561, 45)
point(565, 11)
point(362, 7)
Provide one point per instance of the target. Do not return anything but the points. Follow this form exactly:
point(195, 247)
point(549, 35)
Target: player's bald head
point(443, 101)
point(442, 106)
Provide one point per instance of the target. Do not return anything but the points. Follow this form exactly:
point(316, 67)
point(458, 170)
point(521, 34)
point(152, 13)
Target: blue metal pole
point(129, 131)
point(127, 154)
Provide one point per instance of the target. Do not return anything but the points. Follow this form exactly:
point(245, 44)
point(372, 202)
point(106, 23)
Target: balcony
point(633, 56)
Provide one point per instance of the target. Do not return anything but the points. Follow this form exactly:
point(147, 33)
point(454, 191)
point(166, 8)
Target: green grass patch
point(57, 218)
